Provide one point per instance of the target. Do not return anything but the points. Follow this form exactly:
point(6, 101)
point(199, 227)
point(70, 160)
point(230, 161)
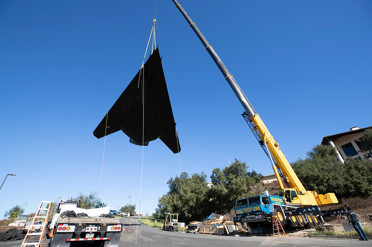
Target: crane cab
point(289, 196)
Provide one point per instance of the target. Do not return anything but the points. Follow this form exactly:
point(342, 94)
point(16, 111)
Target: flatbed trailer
point(76, 231)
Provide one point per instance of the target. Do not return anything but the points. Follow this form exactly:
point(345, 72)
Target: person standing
point(354, 221)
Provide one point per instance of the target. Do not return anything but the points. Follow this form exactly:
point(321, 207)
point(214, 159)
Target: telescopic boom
point(229, 78)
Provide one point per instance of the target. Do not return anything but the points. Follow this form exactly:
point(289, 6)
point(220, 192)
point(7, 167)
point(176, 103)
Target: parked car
point(113, 212)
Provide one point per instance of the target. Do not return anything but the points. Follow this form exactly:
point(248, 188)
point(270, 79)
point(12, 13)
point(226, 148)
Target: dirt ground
point(361, 206)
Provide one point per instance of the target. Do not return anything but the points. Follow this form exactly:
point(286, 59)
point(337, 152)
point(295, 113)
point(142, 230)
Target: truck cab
point(257, 208)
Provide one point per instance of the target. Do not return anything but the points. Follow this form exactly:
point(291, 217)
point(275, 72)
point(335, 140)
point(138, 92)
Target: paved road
point(144, 236)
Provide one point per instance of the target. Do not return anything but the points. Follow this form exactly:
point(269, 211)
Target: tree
point(187, 196)
point(53, 210)
point(89, 201)
point(194, 200)
point(231, 183)
point(321, 171)
point(129, 208)
point(14, 212)
point(161, 210)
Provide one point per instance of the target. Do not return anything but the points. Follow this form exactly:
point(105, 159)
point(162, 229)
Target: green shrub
point(153, 222)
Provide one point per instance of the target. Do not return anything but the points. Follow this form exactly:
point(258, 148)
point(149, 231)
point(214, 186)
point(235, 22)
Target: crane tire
point(292, 220)
point(281, 217)
point(309, 219)
point(316, 220)
point(300, 221)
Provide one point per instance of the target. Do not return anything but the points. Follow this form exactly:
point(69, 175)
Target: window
point(242, 203)
point(349, 149)
point(287, 195)
point(265, 200)
point(293, 195)
point(254, 201)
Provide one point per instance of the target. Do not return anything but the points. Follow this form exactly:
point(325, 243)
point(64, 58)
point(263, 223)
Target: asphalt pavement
point(143, 236)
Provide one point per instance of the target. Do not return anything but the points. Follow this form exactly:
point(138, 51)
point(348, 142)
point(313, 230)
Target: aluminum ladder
point(35, 233)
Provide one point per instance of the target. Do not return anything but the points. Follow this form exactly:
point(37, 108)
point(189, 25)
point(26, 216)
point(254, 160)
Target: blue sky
point(305, 67)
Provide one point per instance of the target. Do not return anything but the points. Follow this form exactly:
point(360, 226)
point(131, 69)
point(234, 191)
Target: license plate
point(89, 235)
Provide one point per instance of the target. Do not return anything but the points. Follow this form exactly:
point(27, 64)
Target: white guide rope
point(104, 148)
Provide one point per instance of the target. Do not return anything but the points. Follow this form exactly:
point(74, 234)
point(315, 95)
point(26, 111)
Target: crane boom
point(266, 140)
point(228, 77)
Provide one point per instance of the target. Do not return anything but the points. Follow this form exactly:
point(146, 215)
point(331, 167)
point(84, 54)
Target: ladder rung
point(35, 233)
point(41, 226)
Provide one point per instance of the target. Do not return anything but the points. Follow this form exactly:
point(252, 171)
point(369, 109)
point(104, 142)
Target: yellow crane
point(297, 201)
point(281, 166)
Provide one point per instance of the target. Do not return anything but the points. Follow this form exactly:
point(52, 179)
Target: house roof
point(333, 137)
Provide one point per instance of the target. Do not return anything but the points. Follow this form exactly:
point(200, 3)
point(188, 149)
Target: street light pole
point(9, 174)
point(130, 199)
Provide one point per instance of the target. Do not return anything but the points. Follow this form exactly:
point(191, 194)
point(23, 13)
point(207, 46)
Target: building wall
point(268, 179)
point(344, 140)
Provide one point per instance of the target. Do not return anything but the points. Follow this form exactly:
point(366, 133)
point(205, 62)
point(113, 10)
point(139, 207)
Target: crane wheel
point(300, 221)
point(280, 216)
point(293, 220)
point(309, 219)
point(316, 220)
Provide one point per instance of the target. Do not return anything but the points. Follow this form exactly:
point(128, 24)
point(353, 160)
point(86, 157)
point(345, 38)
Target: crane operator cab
point(289, 196)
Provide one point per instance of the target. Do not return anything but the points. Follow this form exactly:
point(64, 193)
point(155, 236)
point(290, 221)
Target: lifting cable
point(142, 74)
point(104, 147)
point(178, 154)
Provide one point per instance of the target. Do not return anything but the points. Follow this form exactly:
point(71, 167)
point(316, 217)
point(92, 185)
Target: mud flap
point(60, 240)
point(114, 239)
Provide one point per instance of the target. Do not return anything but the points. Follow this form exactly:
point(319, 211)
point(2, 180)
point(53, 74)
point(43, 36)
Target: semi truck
point(294, 204)
point(74, 226)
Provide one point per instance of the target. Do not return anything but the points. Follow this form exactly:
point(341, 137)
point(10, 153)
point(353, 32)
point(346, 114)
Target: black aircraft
point(143, 111)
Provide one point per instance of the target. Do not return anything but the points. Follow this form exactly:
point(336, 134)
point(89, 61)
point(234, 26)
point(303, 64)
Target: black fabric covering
point(127, 112)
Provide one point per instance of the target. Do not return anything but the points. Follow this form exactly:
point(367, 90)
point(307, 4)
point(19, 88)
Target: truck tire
point(281, 217)
point(171, 228)
point(300, 221)
point(316, 220)
point(309, 220)
point(292, 220)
